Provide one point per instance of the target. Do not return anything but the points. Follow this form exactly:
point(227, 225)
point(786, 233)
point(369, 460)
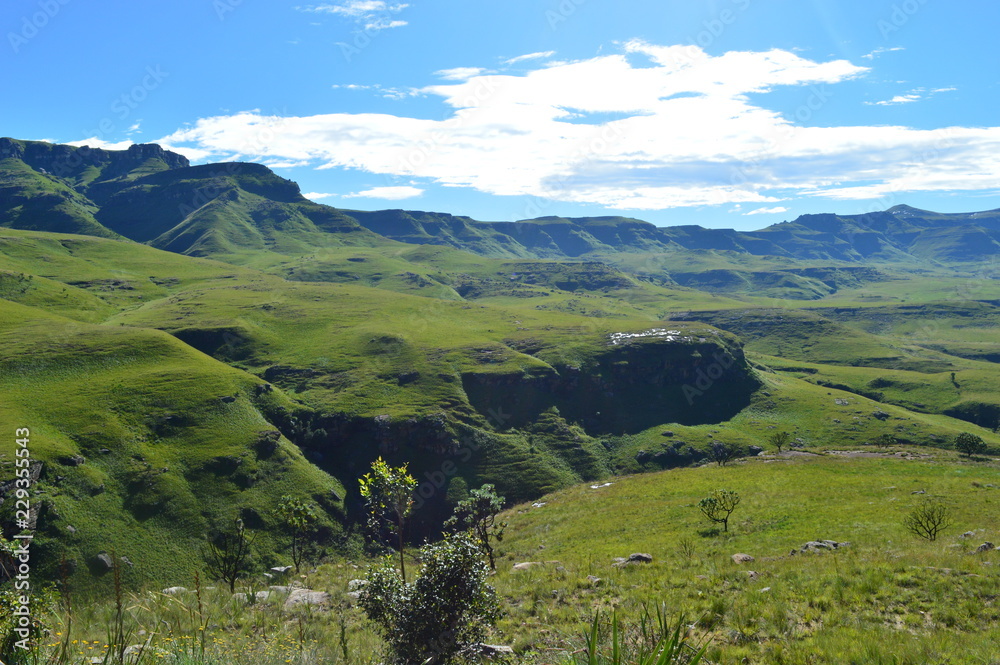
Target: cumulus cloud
point(647, 127)
point(316, 196)
point(394, 193)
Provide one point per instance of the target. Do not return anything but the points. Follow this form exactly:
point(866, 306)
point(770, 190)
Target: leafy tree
point(388, 492)
point(723, 453)
point(885, 440)
point(719, 505)
point(443, 612)
point(298, 517)
point(970, 444)
point(229, 555)
point(928, 519)
point(780, 439)
point(478, 514)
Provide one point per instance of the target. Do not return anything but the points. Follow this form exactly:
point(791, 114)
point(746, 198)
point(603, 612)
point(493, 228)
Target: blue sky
point(724, 113)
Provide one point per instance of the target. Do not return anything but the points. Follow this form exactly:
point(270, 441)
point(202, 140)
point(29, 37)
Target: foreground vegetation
point(883, 595)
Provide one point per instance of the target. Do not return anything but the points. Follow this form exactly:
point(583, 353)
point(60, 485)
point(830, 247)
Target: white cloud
point(767, 211)
point(914, 95)
point(649, 127)
point(529, 56)
point(390, 193)
point(315, 196)
point(94, 142)
point(372, 14)
point(882, 49)
point(459, 73)
point(898, 99)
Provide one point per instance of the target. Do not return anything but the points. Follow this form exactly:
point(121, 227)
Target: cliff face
point(65, 161)
point(639, 381)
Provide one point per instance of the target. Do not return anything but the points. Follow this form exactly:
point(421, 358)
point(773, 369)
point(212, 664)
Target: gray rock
point(526, 565)
point(281, 570)
point(174, 590)
point(593, 579)
point(985, 547)
point(639, 557)
point(104, 560)
point(753, 451)
point(308, 597)
point(491, 651)
point(968, 534)
point(70, 528)
point(742, 558)
point(357, 585)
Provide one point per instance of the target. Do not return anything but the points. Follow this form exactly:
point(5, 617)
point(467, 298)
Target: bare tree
point(927, 519)
point(229, 555)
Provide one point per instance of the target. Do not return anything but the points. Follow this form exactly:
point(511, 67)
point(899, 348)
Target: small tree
point(299, 518)
point(723, 453)
point(229, 555)
point(780, 439)
point(719, 505)
point(927, 519)
point(885, 440)
point(970, 444)
point(388, 492)
point(478, 514)
point(445, 610)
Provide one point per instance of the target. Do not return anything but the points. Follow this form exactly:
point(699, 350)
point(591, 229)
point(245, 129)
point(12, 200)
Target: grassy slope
point(887, 595)
point(147, 414)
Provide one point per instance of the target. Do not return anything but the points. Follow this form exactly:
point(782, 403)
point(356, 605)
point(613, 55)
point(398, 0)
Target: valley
point(188, 345)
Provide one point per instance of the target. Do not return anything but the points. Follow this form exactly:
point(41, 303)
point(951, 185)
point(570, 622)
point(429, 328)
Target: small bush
point(443, 612)
point(927, 520)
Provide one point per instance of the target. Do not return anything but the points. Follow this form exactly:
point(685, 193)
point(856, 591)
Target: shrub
point(228, 555)
point(780, 439)
point(478, 514)
point(885, 440)
point(443, 612)
point(388, 493)
point(299, 518)
point(927, 520)
point(719, 505)
point(970, 444)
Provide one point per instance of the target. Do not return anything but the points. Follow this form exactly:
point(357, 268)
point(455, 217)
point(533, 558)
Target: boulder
point(104, 561)
point(526, 565)
point(742, 558)
point(357, 585)
point(985, 547)
point(174, 590)
point(307, 597)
